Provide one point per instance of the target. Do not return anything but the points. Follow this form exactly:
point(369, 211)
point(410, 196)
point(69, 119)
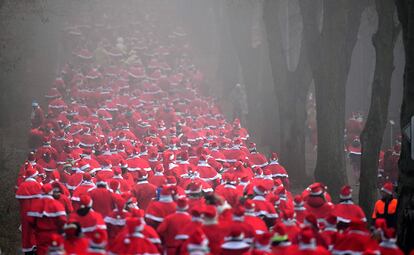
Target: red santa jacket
point(170, 227)
point(158, 210)
point(103, 200)
point(144, 192)
point(89, 222)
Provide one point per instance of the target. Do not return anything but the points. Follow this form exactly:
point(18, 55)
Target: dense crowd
point(130, 158)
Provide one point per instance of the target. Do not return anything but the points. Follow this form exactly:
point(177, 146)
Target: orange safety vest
point(380, 210)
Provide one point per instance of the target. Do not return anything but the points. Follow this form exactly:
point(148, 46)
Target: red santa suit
point(317, 205)
point(207, 173)
point(27, 192)
point(48, 216)
point(257, 159)
point(277, 170)
point(143, 191)
point(103, 199)
point(157, 210)
point(250, 218)
point(73, 243)
point(229, 191)
point(263, 207)
point(88, 219)
point(172, 224)
point(158, 179)
point(134, 241)
point(214, 231)
point(234, 243)
point(346, 210)
point(115, 221)
point(356, 239)
point(307, 245)
point(388, 245)
point(299, 208)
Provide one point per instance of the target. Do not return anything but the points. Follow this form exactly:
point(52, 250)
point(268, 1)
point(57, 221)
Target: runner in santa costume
point(292, 227)
point(88, 219)
point(198, 244)
point(228, 190)
point(125, 185)
point(250, 218)
point(316, 203)
point(47, 216)
point(158, 209)
point(171, 225)
point(388, 245)
point(256, 158)
point(214, 231)
point(238, 222)
point(264, 209)
point(277, 170)
point(134, 242)
point(299, 208)
point(234, 243)
point(103, 198)
point(330, 231)
point(187, 230)
point(62, 198)
point(355, 240)
point(158, 179)
point(144, 191)
point(280, 240)
point(386, 206)
point(74, 242)
point(86, 185)
point(37, 117)
point(346, 209)
point(194, 194)
point(262, 244)
point(27, 192)
point(307, 245)
point(115, 221)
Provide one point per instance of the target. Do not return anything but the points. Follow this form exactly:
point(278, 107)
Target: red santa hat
point(316, 189)
point(55, 175)
point(171, 180)
point(83, 165)
point(259, 190)
point(142, 175)
point(159, 168)
point(346, 192)
point(235, 240)
point(238, 213)
point(56, 245)
point(98, 241)
point(193, 188)
point(30, 171)
point(114, 185)
point(210, 212)
point(280, 233)
point(117, 170)
point(307, 239)
point(134, 225)
point(274, 156)
point(388, 188)
point(298, 201)
point(262, 242)
point(85, 201)
point(198, 243)
point(87, 177)
point(123, 164)
point(182, 203)
point(101, 181)
point(249, 205)
point(47, 189)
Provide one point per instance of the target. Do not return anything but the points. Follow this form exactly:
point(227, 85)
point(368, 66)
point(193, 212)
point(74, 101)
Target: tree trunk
point(405, 191)
point(291, 89)
point(240, 21)
point(330, 54)
point(372, 135)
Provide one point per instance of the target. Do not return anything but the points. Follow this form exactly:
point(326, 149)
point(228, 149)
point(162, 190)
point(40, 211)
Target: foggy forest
point(220, 109)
